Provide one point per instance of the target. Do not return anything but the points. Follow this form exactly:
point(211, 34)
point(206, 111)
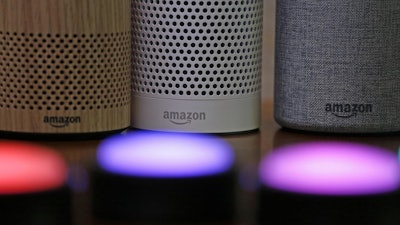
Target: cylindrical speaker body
point(197, 65)
point(337, 65)
point(65, 66)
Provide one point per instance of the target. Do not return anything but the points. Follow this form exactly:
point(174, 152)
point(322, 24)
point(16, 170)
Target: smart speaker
point(337, 65)
point(65, 66)
point(164, 178)
point(196, 65)
point(33, 185)
point(329, 183)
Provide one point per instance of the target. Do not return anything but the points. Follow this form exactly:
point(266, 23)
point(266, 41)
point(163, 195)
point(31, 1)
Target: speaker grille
point(338, 54)
point(64, 71)
point(197, 49)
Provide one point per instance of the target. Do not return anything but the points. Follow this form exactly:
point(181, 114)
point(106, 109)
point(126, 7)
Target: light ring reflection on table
point(165, 155)
point(28, 168)
point(331, 168)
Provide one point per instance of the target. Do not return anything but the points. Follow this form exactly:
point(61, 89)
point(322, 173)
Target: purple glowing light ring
point(165, 155)
point(331, 168)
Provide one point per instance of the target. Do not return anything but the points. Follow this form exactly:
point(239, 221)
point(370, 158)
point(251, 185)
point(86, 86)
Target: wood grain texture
point(64, 58)
point(65, 16)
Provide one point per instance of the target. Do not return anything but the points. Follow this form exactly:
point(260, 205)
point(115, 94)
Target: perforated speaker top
point(64, 72)
point(64, 65)
point(197, 49)
point(196, 58)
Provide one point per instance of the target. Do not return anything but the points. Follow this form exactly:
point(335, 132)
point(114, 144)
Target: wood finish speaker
point(197, 65)
point(64, 66)
point(337, 65)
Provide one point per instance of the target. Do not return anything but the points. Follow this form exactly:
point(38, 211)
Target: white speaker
point(196, 65)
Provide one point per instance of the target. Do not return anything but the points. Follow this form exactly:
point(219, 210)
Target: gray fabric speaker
point(337, 65)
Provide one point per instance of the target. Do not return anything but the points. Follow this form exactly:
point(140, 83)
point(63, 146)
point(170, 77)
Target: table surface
point(249, 149)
